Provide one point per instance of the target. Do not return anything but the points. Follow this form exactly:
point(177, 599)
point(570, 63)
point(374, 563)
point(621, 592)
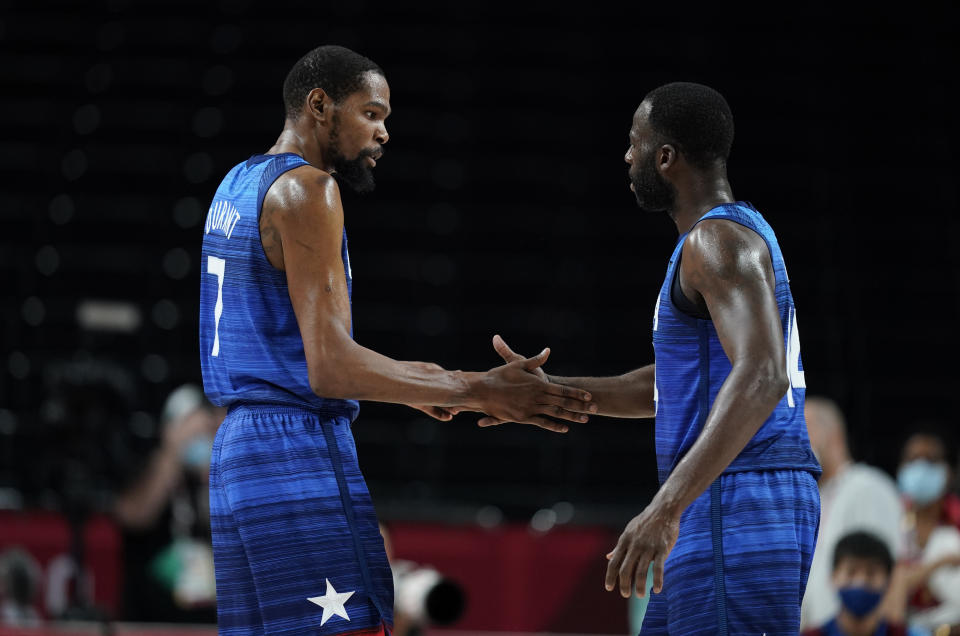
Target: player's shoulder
point(304, 189)
point(304, 185)
point(723, 247)
point(723, 234)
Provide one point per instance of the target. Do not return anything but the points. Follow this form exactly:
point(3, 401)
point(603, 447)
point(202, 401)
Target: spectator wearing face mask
point(853, 496)
point(932, 538)
point(861, 577)
point(165, 516)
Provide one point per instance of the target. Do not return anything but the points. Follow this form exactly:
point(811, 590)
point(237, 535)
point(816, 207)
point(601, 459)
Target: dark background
point(502, 207)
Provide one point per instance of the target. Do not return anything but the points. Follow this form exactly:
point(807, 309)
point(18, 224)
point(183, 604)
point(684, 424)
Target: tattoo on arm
point(270, 237)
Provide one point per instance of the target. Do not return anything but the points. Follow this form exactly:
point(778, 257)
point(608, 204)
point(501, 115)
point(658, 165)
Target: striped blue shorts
point(296, 544)
point(742, 558)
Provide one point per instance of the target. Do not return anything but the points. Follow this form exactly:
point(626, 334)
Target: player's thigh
point(655, 619)
point(284, 494)
point(238, 608)
point(689, 604)
point(769, 524)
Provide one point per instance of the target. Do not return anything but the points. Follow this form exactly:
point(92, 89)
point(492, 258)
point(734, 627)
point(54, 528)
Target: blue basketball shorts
point(296, 543)
point(742, 557)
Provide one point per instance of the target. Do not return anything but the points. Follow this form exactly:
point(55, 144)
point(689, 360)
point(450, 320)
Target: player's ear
point(318, 104)
point(666, 157)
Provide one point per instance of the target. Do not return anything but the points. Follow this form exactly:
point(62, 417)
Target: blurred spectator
point(931, 536)
point(19, 587)
point(861, 577)
point(168, 556)
point(853, 496)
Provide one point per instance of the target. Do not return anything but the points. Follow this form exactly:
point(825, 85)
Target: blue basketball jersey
point(691, 366)
point(251, 350)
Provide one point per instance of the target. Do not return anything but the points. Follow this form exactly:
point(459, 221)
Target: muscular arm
point(627, 395)
point(302, 230)
point(727, 268)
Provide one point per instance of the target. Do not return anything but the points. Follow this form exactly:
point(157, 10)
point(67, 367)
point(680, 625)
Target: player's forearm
point(346, 370)
point(743, 404)
point(627, 395)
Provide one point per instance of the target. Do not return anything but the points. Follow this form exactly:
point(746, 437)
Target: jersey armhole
point(679, 299)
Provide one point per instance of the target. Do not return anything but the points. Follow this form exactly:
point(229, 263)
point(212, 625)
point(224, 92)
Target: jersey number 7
point(217, 266)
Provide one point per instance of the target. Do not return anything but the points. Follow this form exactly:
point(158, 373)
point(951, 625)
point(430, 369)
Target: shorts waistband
point(251, 409)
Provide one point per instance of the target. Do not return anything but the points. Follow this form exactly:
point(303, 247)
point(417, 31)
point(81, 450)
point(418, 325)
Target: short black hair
point(862, 545)
point(694, 117)
point(336, 69)
point(940, 431)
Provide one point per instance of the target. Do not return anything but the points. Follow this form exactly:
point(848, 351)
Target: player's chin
point(359, 181)
point(365, 187)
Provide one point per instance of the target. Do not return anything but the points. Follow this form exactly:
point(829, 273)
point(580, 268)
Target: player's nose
point(628, 156)
point(382, 135)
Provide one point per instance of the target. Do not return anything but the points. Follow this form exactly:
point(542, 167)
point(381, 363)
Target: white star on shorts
point(332, 603)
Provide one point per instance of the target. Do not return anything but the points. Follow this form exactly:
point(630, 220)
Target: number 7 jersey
point(691, 366)
point(251, 350)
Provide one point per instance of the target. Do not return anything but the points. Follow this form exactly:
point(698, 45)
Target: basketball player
point(297, 548)
point(731, 531)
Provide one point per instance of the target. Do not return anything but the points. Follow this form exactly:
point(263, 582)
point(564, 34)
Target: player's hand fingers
point(658, 573)
point(613, 567)
point(568, 403)
point(640, 578)
point(569, 392)
point(537, 361)
point(550, 425)
point(501, 347)
point(627, 569)
point(563, 414)
point(535, 420)
point(437, 412)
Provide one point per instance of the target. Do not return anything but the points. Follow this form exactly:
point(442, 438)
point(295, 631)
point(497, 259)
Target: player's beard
point(653, 192)
point(355, 173)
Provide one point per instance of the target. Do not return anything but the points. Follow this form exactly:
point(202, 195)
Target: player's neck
point(300, 142)
point(698, 193)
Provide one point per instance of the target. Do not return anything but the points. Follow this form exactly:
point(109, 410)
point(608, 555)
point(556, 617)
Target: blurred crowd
point(887, 558)
point(161, 508)
point(888, 551)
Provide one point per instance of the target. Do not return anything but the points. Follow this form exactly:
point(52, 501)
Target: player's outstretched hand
point(516, 392)
point(508, 355)
point(648, 538)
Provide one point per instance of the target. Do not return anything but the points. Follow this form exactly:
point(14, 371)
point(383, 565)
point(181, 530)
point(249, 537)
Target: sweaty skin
point(301, 229)
point(729, 268)
point(727, 271)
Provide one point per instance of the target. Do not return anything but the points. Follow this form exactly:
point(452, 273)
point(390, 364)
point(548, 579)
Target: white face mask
point(922, 481)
